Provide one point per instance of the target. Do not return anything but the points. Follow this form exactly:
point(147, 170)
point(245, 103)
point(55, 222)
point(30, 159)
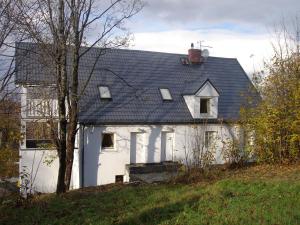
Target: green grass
point(259, 195)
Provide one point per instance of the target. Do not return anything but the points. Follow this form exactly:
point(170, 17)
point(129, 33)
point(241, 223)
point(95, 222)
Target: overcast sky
point(233, 28)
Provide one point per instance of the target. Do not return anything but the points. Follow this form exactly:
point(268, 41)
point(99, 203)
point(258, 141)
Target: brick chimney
point(194, 55)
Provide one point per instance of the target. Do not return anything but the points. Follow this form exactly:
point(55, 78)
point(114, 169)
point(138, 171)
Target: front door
point(167, 142)
point(137, 148)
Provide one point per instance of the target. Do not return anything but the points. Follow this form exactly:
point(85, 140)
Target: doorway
point(167, 146)
point(137, 148)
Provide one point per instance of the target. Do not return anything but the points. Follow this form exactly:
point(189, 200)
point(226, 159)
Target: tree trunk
point(62, 93)
point(70, 150)
point(73, 114)
point(73, 108)
point(61, 187)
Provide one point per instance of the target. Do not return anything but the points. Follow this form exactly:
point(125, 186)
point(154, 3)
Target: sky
point(242, 29)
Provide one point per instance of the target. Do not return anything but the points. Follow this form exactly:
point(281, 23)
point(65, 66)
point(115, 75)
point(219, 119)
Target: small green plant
point(25, 185)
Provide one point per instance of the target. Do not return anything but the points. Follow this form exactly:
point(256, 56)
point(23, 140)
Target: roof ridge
point(138, 50)
point(170, 53)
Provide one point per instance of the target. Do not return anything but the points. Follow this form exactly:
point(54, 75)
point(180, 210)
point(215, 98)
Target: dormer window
point(204, 105)
point(165, 94)
point(104, 92)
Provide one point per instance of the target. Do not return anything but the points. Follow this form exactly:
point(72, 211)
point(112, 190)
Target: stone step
point(149, 168)
point(152, 177)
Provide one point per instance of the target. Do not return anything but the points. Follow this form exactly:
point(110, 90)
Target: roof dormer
point(204, 103)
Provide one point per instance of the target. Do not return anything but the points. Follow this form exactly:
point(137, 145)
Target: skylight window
point(165, 94)
point(104, 92)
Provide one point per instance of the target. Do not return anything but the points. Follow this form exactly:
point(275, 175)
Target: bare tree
point(6, 58)
point(200, 148)
point(60, 28)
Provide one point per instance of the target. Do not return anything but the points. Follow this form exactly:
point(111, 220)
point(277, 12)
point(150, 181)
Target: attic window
point(204, 105)
point(104, 92)
point(165, 94)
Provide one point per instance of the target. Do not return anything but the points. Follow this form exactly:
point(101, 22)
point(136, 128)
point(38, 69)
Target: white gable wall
point(207, 90)
point(213, 107)
point(190, 101)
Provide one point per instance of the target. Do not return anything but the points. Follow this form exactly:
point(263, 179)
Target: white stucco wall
point(42, 169)
point(41, 176)
point(101, 166)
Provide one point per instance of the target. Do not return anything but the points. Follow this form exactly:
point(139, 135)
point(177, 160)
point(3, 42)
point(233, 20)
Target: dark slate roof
point(134, 78)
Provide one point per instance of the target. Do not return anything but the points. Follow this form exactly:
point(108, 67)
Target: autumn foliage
point(276, 119)
point(10, 136)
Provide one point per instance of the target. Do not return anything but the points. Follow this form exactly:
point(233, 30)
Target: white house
point(139, 107)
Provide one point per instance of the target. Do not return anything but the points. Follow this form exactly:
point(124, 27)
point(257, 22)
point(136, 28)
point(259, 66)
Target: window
point(107, 140)
point(119, 179)
point(210, 139)
point(165, 94)
point(104, 92)
point(204, 105)
point(38, 135)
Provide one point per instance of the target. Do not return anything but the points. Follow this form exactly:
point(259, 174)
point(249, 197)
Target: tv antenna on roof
point(201, 46)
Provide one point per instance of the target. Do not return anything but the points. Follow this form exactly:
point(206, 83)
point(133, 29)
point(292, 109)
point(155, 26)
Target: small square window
point(165, 94)
point(119, 179)
point(108, 140)
point(104, 92)
point(204, 105)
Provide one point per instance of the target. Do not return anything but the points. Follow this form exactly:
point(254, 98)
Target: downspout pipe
point(82, 156)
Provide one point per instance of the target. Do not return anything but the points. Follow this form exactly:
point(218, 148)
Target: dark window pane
point(38, 134)
point(39, 130)
point(107, 140)
point(39, 144)
point(204, 105)
point(119, 178)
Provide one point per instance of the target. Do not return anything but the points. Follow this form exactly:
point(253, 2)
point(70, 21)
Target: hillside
point(256, 195)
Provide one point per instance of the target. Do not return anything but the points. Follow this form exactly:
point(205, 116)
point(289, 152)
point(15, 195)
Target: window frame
point(169, 93)
point(108, 88)
point(214, 136)
point(207, 106)
point(112, 149)
point(48, 141)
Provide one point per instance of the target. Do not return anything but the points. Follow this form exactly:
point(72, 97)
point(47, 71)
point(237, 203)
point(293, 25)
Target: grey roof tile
point(145, 72)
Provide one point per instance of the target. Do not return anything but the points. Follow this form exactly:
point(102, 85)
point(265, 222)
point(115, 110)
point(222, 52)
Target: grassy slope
point(258, 195)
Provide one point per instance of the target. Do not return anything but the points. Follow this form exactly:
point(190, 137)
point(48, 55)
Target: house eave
point(195, 121)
